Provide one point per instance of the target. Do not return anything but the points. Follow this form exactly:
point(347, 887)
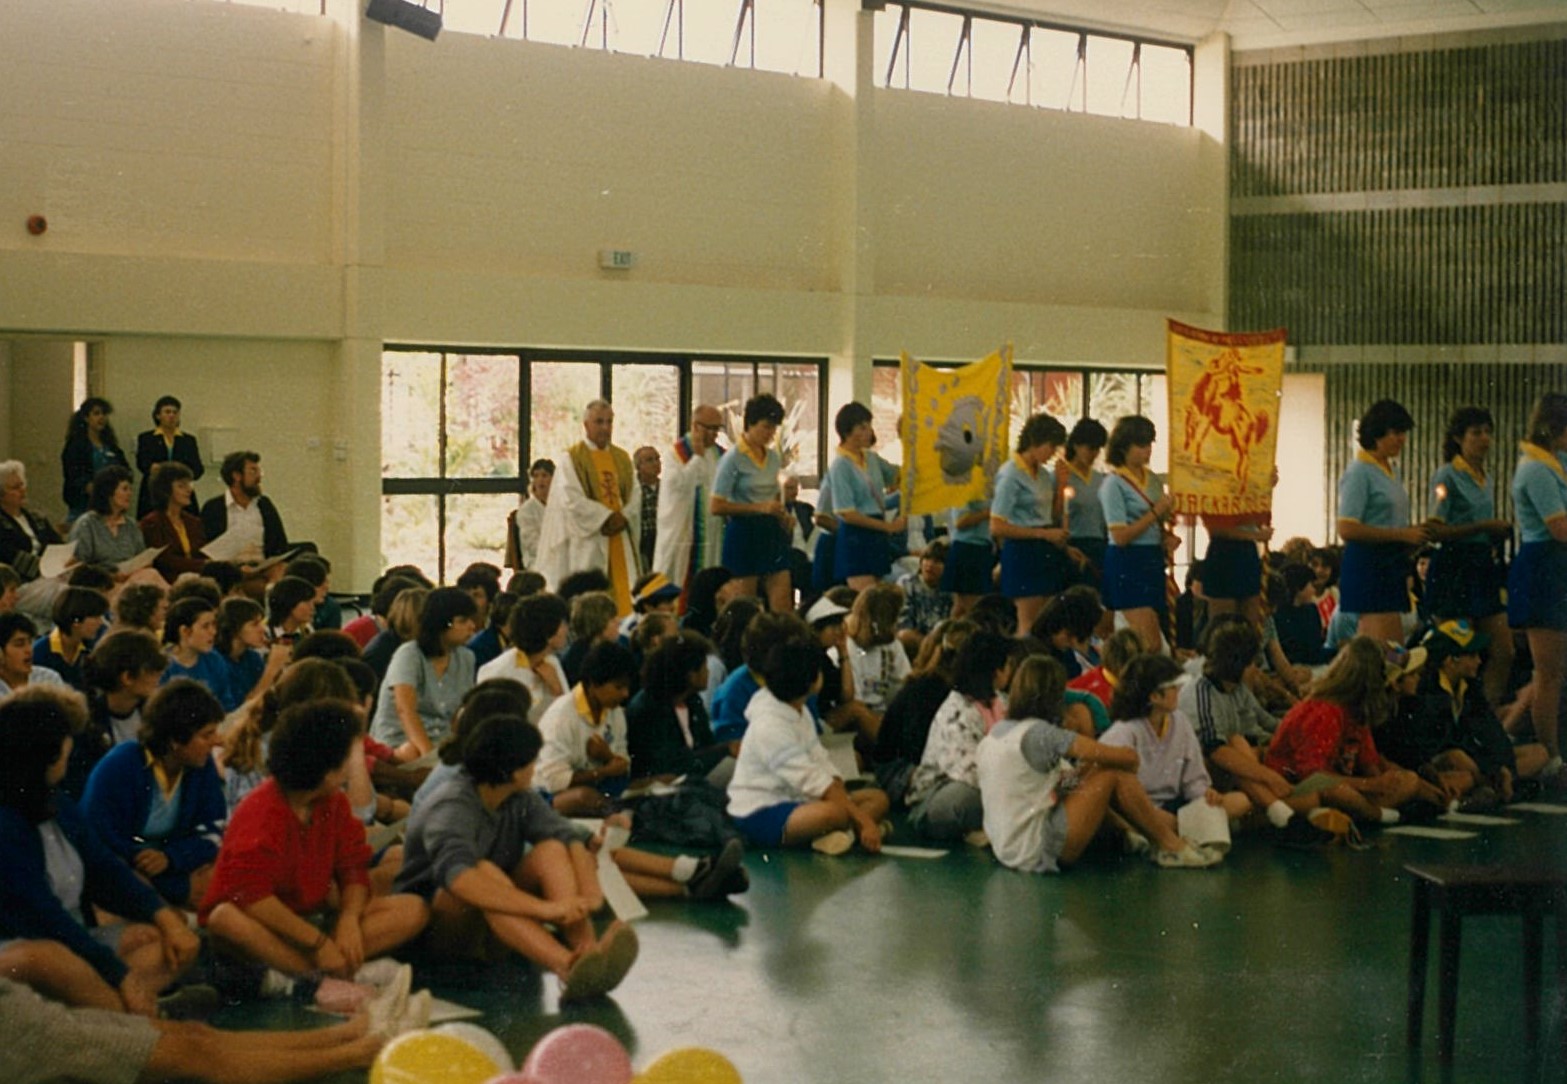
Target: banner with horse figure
point(1224, 419)
point(954, 430)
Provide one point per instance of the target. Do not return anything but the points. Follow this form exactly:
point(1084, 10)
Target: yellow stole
point(605, 474)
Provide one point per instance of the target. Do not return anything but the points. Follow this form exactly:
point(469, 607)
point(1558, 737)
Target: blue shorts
point(860, 551)
point(755, 546)
point(1134, 578)
point(1464, 580)
point(1232, 569)
point(1372, 578)
point(968, 569)
point(765, 827)
point(1032, 568)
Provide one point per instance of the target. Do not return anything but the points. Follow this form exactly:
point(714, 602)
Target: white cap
point(822, 609)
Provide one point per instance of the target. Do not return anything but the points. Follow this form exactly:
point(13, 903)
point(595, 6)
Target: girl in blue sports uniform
point(1373, 521)
point(757, 526)
point(861, 555)
point(1136, 510)
point(1022, 519)
point(1077, 500)
point(1466, 575)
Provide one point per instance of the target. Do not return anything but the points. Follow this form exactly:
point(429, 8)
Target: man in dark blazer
point(243, 507)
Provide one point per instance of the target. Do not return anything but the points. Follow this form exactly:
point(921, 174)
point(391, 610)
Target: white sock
point(276, 984)
point(1390, 816)
point(685, 869)
point(1279, 814)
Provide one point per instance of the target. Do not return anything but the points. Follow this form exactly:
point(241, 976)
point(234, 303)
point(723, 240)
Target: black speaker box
point(405, 16)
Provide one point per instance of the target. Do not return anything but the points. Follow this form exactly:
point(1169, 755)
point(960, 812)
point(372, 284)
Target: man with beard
point(245, 510)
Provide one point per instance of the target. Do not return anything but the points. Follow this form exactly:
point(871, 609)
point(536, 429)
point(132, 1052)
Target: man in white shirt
point(244, 511)
point(690, 537)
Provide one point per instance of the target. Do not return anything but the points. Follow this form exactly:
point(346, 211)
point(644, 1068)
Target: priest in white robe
point(593, 502)
point(690, 537)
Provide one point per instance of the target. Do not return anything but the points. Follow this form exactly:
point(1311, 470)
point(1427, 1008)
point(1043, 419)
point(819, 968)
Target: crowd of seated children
point(79, 614)
point(190, 635)
point(595, 618)
point(427, 677)
point(122, 672)
point(538, 630)
point(585, 760)
point(668, 732)
point(253, 663)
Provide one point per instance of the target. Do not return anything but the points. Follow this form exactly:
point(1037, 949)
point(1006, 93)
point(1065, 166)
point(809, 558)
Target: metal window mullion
point(899, 37)
point(746, 8)
point(964, 40)
point(663, 37)
point(1017, 59)
point(1134, 71)
point(440, 497)
point(505, 18)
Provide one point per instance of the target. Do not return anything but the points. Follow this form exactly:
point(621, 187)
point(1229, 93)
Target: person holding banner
point(859, 489)
point(1077, 496)
point(1022, 519)
point(1373, 521)
point(1466, 576)
point(757, 526)
point(1136, 509)
point(1537, 581)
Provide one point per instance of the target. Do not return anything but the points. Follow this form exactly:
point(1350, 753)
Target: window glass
point(410, 414)
point(647, 405)
point(1153, 394)
point(1112, 396)
point(886, 409)
point(558, 390)
point(481, 416)
point(798, 387)
point(994, 47)
point(886, 32)
point(1053, 74)
point(788, 37)
point(474, 16)
point(709, 30)
point(1167, 85)
point(725, 385)
point(475, 530)
point(555, 21)
point(1109, 62)
point(932, 43)
point(410, 531)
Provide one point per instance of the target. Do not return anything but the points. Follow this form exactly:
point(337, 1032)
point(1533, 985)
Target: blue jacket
point(119, 797)
point(30, 909)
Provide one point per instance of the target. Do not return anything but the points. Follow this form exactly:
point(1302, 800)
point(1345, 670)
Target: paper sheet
point(142, 560)
point(443, 1011)
point(226, 547)
point(617, 893)
point(1420, 831)
point(55, 559)
point(1477, 820)
point(912, 852)
point(840, 748)
point(1540, 807)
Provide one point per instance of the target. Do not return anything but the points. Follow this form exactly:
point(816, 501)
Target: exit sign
point(617, 259)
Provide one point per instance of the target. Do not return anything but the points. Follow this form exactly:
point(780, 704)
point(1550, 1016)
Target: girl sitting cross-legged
point(291, 889)
point(1040, 811)
point(785, 791)
point(499, 866)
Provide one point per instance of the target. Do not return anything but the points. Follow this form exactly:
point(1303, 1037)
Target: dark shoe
point(198, 1002)
point(737, 883)
point(1299, 833)
point(236, 980)
point(713, 872)
point(1480, 800)
point(620, 947)
point(1419, 813)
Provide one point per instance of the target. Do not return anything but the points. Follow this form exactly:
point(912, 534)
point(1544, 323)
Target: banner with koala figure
point(1224, 419)
point(954, 429)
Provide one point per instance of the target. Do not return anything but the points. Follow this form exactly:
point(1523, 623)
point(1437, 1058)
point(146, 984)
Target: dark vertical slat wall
point(1487, 268)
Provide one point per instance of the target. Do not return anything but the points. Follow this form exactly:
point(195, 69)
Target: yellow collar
point(1463, 466)
point(1087, 477)
point(1366, 457)
point(165, 783)
point(579, 696)
point(1457, 694)
point(1540, 455)
point(857, 458)
point(1138, 480)
point(57, 645)
point(751, 452)
point(1024, 466)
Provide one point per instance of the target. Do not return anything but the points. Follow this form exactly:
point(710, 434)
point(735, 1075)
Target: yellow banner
point(954, 431)
point(1224, 419)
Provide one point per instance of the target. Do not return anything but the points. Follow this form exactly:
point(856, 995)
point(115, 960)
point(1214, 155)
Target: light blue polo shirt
point(1021, 500)
point(858, 490)
point(1085, 515)
point(979, 533)
point(1463, 500)
point(1122, 503)
point(1539, 496)
point(1368, 495)
point(740, 480)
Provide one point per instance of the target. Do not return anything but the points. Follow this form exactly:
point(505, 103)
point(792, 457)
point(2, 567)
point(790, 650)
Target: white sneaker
point(1134, 842)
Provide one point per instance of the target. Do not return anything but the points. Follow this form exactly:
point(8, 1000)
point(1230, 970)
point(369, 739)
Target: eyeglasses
point(707, 428)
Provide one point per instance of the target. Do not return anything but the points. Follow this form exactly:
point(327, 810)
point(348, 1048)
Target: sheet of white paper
point(443, 1011)
point(840, 748)
point(142, 560)
point(912, 852)
point(617, 893)
point(1540, 807)
point(1477, 820)
point(55, 559)
point(1205, 825)
point(225, 547)
point(1420, 831)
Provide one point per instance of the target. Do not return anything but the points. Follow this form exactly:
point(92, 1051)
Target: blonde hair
point(303, 682)
point(1038, 689)
point(940, 647)
point(1357, 682)
point(402, 616)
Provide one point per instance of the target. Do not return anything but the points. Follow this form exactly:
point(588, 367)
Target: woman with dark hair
point(291, 843)
point(90, 446)
point(165, 443)
point(1136, 510)
point(710, 589)
point(1373, 521)
point(1022, 519)
point(668, 732)
point(428, 676)
point(757, 526)
point(171, 525)
point(104, 533)
point(291, 604)
point(1537, 581)
point(79, 615)
point(537, 628)
point(158, 803)
point(859, 500)
point(242, 644)
point(189, 635)
point(1466, 574)
point(58, 871)
point(1077, 497)
point(943, 794)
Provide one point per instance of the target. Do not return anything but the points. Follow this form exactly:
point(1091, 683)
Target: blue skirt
point(822, 572)
point(755, 546)
point(1232, 569)
point(1464, 580)
point(1092, 547)
point(1134, 578)
point(860, 551)
point(1032, 567)
point(1373, 577)
point(968, 569)
point(1537, 586)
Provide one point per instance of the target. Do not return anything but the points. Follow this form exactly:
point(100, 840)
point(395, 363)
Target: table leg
point(1447, 993)
point(1419, 945)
